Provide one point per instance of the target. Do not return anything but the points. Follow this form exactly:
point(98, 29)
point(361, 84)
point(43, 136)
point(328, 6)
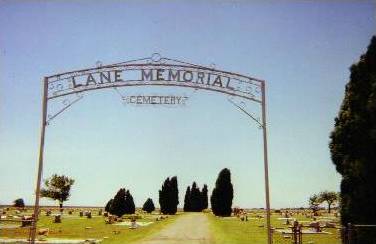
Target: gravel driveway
point(190, 228)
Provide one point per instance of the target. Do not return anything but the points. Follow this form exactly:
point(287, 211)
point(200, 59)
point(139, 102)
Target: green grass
point(74, 227)
point(233, 231)
point(224, 230)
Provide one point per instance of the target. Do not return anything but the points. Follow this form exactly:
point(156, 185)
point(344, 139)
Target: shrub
point(19, 203)
point(148, 206)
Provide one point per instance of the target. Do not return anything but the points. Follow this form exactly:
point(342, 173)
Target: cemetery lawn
point(222, 230)
point(75, 227)
point(232, 230)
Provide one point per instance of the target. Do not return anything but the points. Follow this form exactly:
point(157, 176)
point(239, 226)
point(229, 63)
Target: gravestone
point(57, 218)
point(43, 231)
point(315, 226)
point(133, 224)
point(26, 221)
point(111, 219)
point(330, 225)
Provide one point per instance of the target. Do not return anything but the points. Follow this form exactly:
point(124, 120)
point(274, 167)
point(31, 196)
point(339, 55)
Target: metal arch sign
point(154, 74)
point(154, 71)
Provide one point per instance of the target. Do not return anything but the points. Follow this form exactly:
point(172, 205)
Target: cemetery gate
point(153, 71)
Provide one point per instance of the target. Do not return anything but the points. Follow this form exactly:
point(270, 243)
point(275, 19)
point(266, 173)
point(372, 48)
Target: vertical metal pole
point(349, 233)
point(266, 170)
point(40, 163)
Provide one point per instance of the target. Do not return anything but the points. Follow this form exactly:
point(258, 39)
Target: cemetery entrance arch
point(153, 71)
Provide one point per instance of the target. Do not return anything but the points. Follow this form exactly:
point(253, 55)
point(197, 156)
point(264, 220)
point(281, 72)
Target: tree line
point(58, 188)
point(195, 200)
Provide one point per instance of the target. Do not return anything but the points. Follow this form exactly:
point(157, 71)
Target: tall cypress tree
point(169, 196)
point(163, 196)
point(187, 200)
point(204, 197)
point(174, 195)
point(118, 204)
point(195, 198)
point(222, 195)
point(353, 146)
point(129, 207)
point(214, 201)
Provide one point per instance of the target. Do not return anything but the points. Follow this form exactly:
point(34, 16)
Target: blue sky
point(303, 49)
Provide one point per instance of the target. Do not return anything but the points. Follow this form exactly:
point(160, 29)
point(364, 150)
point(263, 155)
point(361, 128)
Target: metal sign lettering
point(155, 100)
point(154, 74)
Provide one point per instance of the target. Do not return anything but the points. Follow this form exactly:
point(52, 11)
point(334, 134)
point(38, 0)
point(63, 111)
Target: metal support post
point(266, 170)
point(40, 162)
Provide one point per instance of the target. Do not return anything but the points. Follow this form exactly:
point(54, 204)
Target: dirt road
point(192, 228)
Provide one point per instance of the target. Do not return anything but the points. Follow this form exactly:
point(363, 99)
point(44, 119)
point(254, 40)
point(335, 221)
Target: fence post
point(349, 233)
point(295, 232)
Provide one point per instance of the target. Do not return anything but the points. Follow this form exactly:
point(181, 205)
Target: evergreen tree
point(169, 196)
point(108, 205)
point(163, 196)
point(174, 195)
point(118, 204)
point(222, 195)
point(214, 199)
point(353, 145)
point(204, 197)
point(19, 203)
point(196, 202)
point(187, 200)
point(129, 207)
point(148, 206)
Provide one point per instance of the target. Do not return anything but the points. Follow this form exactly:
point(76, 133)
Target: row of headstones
point(311, 215)
point(110, 219)
point(81, 213)
point(25, 220)
point(70, 212)
point(88, 214)
point(6, 210)
point(57, 218)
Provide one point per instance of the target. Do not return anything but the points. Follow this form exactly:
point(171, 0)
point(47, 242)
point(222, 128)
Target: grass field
point(75, 227)
point(230, 230)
